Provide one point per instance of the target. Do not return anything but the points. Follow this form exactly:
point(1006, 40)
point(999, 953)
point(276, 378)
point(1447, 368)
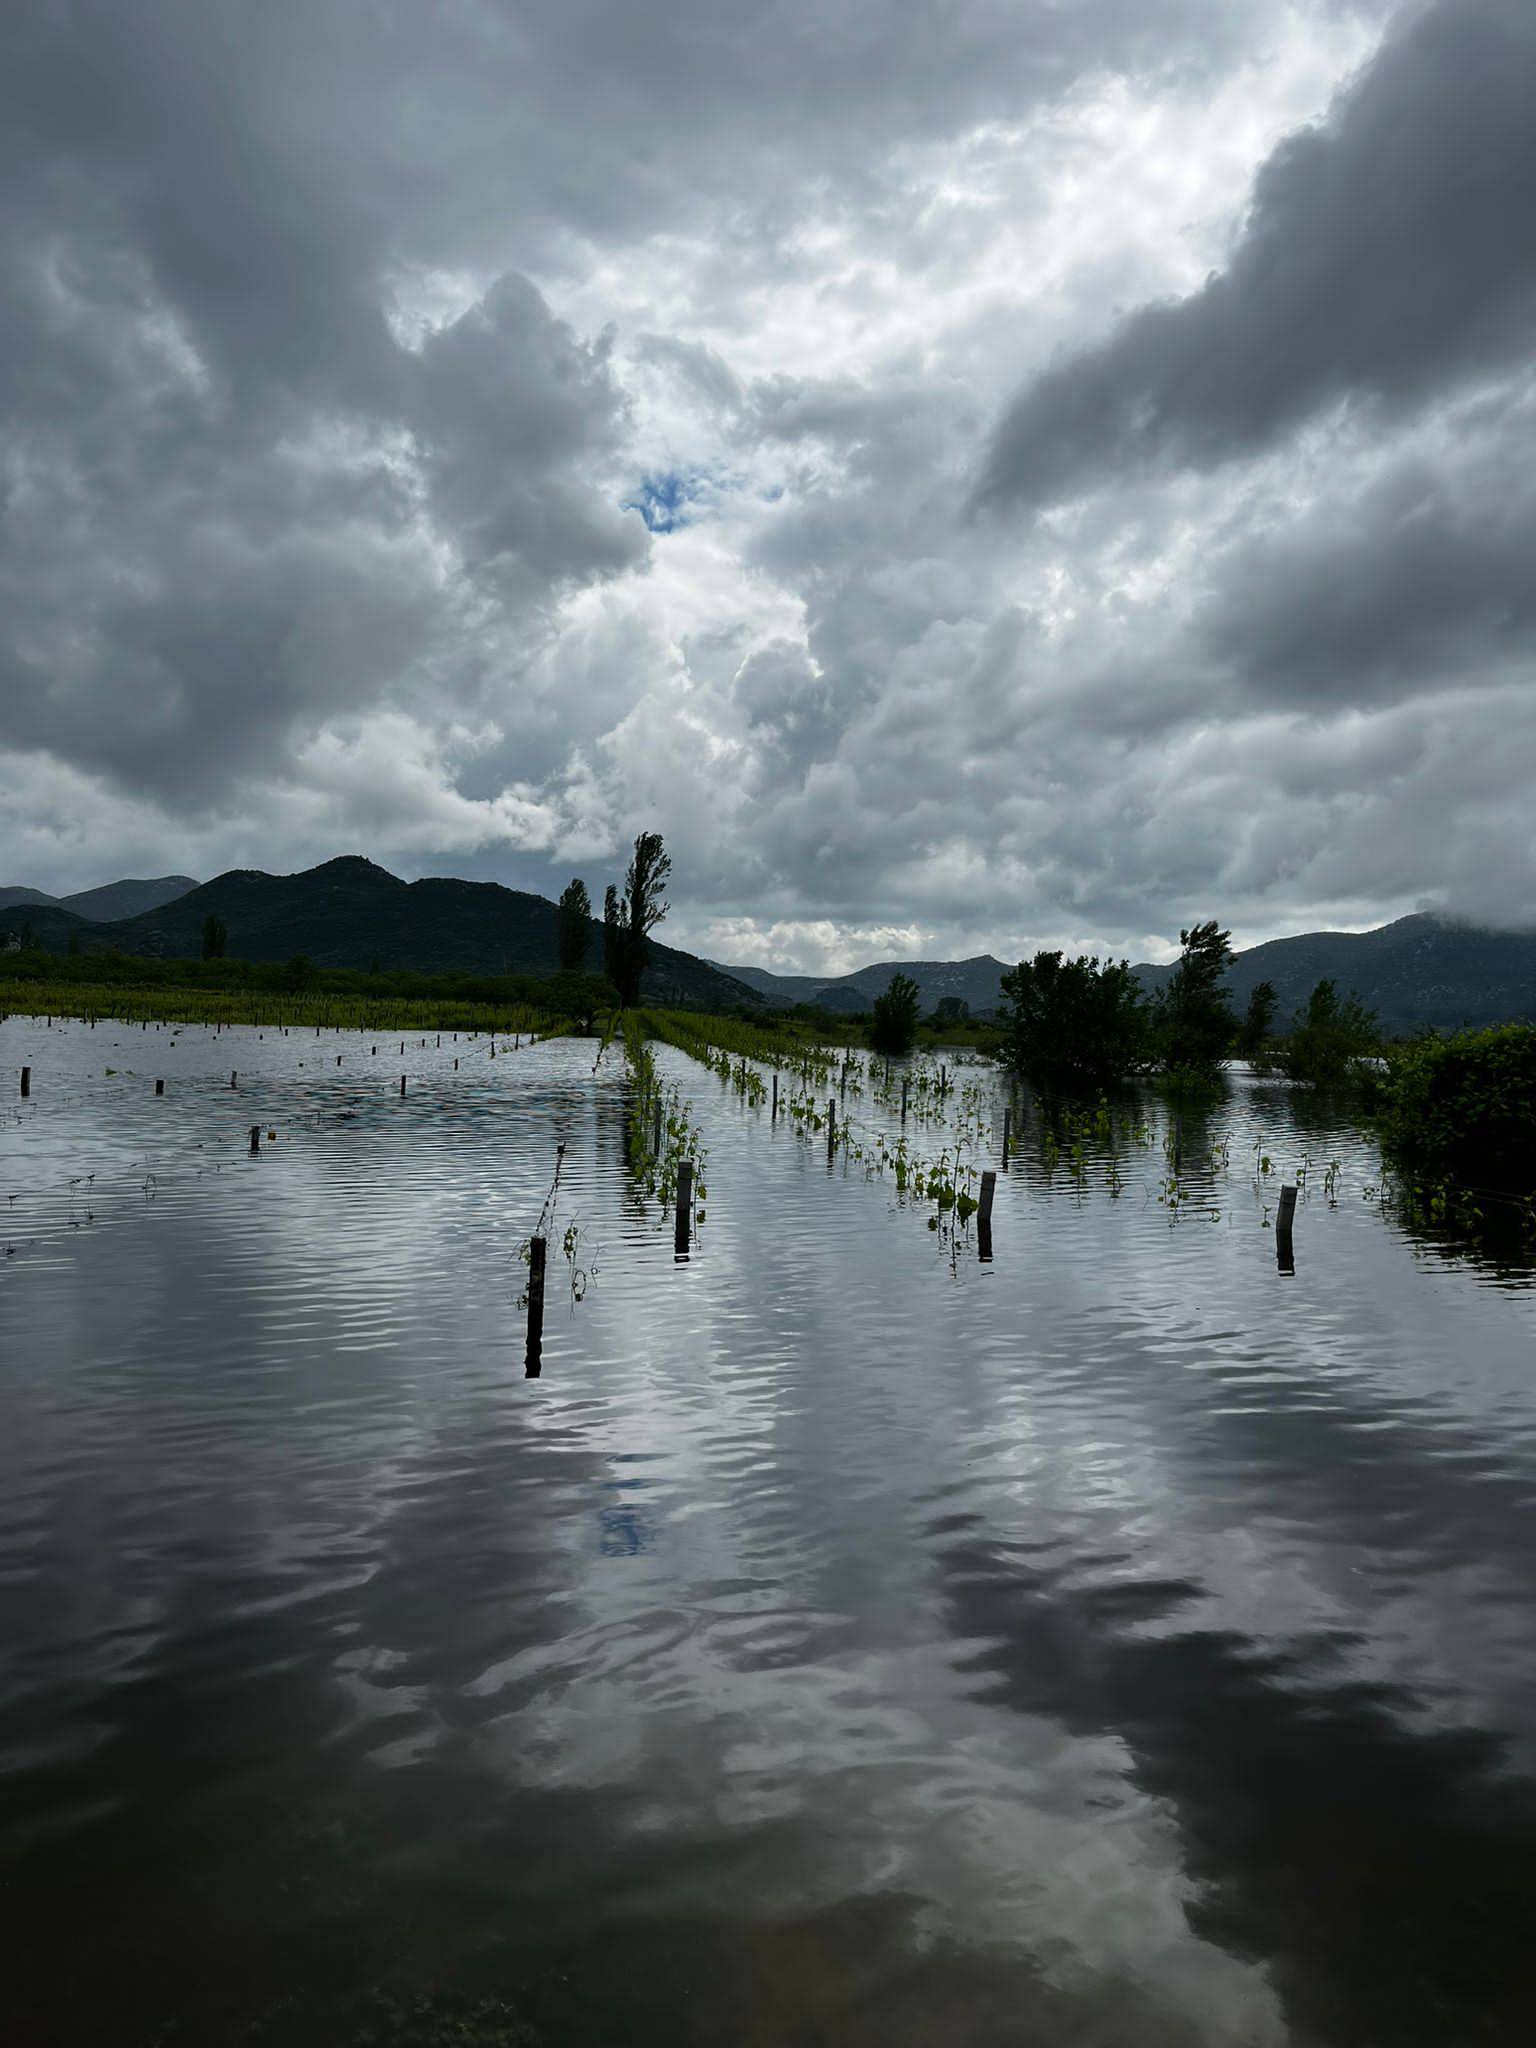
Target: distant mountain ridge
point(107, 904)
point(352, 913)
point(974, 981)
point(1420, 970)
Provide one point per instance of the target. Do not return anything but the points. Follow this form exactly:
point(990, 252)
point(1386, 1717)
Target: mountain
point(115, 900)
point(351, 913)
point(973, 981)
point(1420, 970)
point(104, 905)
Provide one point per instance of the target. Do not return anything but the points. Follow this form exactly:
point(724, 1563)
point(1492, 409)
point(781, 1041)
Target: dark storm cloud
point(1420, 579)
point(1387, 252)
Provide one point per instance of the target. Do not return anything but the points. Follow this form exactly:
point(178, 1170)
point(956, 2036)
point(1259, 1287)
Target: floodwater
point(844, 1640)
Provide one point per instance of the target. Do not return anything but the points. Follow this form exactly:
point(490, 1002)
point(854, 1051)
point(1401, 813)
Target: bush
point(1328, 1039)
point(1075, 1024)
point(1465, 1105)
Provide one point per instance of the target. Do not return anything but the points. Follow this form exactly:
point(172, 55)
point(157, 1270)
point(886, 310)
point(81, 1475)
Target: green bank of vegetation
point(247, 992)
point(1463, 1107)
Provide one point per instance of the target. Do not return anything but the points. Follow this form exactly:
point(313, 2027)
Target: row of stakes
point(683, 1213)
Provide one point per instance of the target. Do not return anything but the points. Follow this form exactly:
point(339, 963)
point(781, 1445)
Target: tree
point(950, 1010)
point(575, 925)
point(577, 996)
point(642, 908)
point(215, 938)
point(1327, 1038)
point(893, 1024)
point(613, 937)
point(1258, 1021)
point(1075, 1024)
point(1195, 1021)
point(300, 974)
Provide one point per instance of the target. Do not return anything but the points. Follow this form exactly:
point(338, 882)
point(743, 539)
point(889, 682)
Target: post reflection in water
point(1166, 1681)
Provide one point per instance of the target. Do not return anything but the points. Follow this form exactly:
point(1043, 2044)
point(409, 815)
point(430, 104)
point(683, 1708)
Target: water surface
point(844, 1640)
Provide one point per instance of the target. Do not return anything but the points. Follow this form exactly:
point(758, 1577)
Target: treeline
point(1463, 1105)
point(1087, 1023)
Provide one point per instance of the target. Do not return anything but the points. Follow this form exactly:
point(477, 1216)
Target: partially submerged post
point(988, 1190)
point(683, 1219)
point(159, 1087)
point(233, 1079)
point(656, 1131)
point(536, 1253)
point(255, 1138)
point(831, 1125)
point(1285, 1253)
point(906, 1083)
point(402, 1084)
point(26, 1080)
point(773, 1115)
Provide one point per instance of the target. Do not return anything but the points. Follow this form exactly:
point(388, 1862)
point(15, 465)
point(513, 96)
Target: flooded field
point(846, 1639)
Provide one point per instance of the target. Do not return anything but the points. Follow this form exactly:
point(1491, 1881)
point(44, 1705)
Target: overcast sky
point(974, 475)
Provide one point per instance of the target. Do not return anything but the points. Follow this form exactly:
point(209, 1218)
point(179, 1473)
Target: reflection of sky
point(815, 1532)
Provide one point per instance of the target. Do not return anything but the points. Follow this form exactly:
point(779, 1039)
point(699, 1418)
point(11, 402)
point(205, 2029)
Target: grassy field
point(266, 1007)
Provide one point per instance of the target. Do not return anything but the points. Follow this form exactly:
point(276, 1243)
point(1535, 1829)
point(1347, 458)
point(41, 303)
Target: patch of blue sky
point(671, 498)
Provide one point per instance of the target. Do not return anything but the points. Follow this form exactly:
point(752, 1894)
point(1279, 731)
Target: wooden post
point(455, 1066)
point(906, 1083)
point(402, 1084)
point(1007, 1135)
point(255, 1138)
point(831, 1125)
point(159, 1087)
point(774, 1113)
point(338, 1059)
point(683, 1220)
point(943, 1080)
point(26, 1080)
point(536, 1256)
point(233, 1079)
point(656, 1131)
point(1285, 1251)
point(988, 1190)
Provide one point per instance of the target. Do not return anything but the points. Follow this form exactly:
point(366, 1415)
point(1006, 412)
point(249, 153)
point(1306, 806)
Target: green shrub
point(1328, 1039)
point(1464, 1105)
point(1075, 1024)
